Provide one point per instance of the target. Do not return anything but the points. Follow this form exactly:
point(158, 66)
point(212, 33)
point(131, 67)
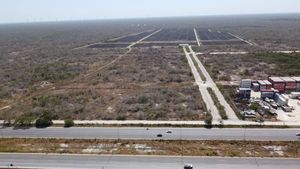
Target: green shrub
point(44, 121)
point(69, 123)
point(121, 117)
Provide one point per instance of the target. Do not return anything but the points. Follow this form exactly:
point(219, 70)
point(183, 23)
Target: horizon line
point(136, 18)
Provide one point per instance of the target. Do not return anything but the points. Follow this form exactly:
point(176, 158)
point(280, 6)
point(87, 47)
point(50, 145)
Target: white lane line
point(197, 37)
point(251, 44)
point(134, 43)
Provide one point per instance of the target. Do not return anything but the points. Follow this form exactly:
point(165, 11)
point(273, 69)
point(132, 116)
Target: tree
point(254, 106)
point(208, 120)
point(69, 123)
point(44, 121)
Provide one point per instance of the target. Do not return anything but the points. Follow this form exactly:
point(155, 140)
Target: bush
point(44, 121)
point(208, 120)
point(25, 120)
point(69, 123)
point(121, 118)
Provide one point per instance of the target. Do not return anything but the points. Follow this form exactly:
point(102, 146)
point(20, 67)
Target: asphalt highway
point(151, 133)
point(138, 162)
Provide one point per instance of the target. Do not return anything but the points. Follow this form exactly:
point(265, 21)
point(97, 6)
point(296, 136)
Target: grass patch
point(288, 149)
point(203, 78)
point(218, 104)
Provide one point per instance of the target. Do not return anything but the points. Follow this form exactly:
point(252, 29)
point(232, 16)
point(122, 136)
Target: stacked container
point(297, 79)
point(290, 84)
point(278, 84)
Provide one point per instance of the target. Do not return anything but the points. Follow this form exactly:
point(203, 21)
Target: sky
point(13, 11)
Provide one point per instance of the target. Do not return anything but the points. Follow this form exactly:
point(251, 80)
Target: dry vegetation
point(40, 69)
point(287, 149)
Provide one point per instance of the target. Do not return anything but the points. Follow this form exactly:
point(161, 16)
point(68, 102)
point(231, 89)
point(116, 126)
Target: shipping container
point(246, 83)
point(267, 94)
point(255, 87)
point(278, 83)
point(297, 79)
point(244, 93)
point(290, 84)
point(295, 95)
point(262, 85)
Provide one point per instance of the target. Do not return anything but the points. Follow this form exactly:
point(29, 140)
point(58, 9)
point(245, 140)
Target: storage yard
point(278, 97)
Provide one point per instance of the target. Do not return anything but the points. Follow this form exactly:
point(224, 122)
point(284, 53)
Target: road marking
point(134, 43)
point(251, 44)
point(197, 37)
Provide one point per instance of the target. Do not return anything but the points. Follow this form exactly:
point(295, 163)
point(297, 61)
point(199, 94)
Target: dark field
point(132, 38)
point(109, 45)
point(208, 34)
point(238, 42)
point(175, 44)
point(213, 37)
point(186, 34)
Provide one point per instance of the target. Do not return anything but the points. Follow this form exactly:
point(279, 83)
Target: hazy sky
point(51, 10)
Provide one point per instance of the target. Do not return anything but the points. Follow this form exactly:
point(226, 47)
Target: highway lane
point(138, 162)
point(151, 134)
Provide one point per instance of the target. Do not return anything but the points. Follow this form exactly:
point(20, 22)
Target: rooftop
point(276, 79)
point(296, 78)
point(288, 79)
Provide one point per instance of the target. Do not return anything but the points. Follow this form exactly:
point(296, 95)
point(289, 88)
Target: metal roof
point(288, 79)
point(296, 78)
point(276, 79)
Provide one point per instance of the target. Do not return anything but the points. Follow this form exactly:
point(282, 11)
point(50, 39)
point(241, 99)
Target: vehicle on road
point(169, 131)
point(298, 134)
point(188, 166)
point(159, 135)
